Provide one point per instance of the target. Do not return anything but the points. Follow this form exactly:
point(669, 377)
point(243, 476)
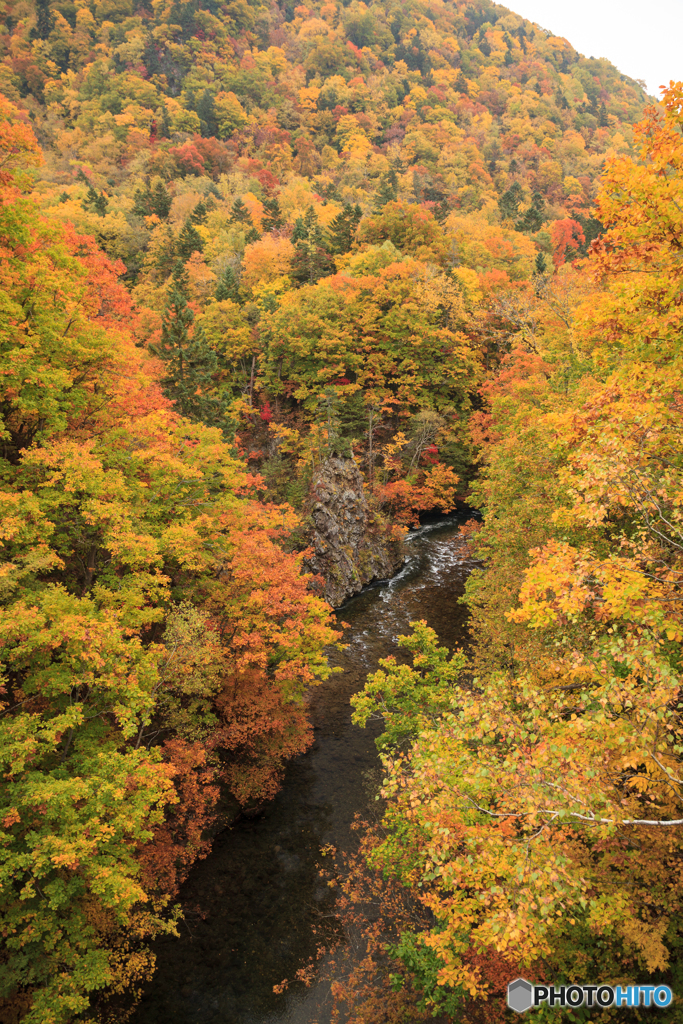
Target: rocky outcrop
point(351, 545)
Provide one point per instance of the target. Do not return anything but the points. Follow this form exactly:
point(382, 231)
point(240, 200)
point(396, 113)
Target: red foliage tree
point(566, 235)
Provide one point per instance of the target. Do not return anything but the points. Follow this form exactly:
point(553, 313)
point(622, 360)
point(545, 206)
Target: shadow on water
point(251, 905)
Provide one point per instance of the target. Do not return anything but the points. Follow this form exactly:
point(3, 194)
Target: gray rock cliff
point(351, 545)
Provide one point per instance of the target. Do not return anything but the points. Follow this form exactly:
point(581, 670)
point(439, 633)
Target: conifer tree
point(198, 215)
point(228, 286)
point(508, 204)
point(342, 230)
point(206, 111)
point(240, 213)
point(312, 256)
point(164, 130)
point(299, 234)
point(434, 192)
point(142, 201)
point(161, 201)
point(189, 241)
point(44, 20)
point(166, 254)
point(534, 216)
point(96, 201)
point(190, 363)
point(241, 216)
point(272, 214)
point(147, 202)
point(388, 189)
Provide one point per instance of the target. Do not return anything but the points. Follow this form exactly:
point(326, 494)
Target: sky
point(643, 38)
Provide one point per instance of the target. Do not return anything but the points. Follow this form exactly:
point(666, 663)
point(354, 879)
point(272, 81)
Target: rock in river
point(351, 543)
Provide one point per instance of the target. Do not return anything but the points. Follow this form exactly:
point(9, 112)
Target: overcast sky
point(643, 38)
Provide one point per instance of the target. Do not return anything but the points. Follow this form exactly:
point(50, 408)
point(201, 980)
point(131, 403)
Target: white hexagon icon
point(520, 995)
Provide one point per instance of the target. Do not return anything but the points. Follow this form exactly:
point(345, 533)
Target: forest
point(239, 239)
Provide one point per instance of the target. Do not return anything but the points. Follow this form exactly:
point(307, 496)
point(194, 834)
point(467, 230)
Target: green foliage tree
point(534, 217)
point(189, 241)
point(95, 201)
point(272, 214)
point(240, 213)
point(342, 230)
point(191, 366)
point(509, 202)
point(228, 286)
point(388, 190)
point(156, 201)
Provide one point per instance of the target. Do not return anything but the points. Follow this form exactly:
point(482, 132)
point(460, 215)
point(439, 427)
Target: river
point(251, 905)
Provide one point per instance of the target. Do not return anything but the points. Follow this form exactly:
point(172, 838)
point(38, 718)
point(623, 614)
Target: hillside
point(455, 107)
point(271, 148)
point(267, 148)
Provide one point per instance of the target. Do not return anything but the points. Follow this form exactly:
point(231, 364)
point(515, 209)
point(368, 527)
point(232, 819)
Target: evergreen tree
point(329, 191)
point(540, 270)
point(534, 216)
point(508, 204)
point(164, 130)
point(166, 254)
point(272, 214)
point(592, 229)
point(388, 190)
point(311, 257)
point(161, 201)
point(45, 20)
point(142, 202)
point(228, 286)
point(190, 363)
point(198, 215)
point(433, 192)
point(241, 216)
point(299, 234)
point(96, 201)
point(240, 213)
point(206, 111)
point(310, 221)
point(342, 230)
point(603, 119)
point(189, 241)
point(319, 262)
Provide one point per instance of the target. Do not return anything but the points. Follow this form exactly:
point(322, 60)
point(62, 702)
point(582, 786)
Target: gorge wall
point(350, 544)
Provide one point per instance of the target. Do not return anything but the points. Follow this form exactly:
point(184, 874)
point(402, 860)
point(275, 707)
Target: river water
point(250, 907)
